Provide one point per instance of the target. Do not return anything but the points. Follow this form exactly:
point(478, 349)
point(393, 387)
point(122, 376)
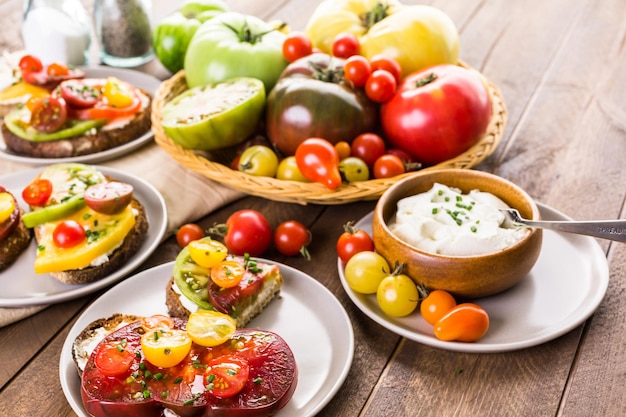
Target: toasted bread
point(13, 245)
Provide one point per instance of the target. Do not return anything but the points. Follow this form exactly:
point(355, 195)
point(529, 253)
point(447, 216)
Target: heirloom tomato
point(436, 305)
point(246, 231)
point(417, 36)
point(288, 170)
point(438, 113)
point(258, 160)
point(354, 169)
point(318, 161)
point(465, 322)
point(235, 45)
point(311, 99)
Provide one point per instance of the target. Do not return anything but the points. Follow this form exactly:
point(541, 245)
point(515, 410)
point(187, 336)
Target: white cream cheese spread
point(444, 221)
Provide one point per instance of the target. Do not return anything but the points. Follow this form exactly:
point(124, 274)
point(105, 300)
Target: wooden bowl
point(464, 276)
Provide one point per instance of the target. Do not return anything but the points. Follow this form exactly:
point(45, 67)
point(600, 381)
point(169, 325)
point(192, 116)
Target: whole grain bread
point(14, 244)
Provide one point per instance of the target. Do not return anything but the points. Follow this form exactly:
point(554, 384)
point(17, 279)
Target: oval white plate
point(32, 289)
point(136, 78)
point(563, 289)
point(306, 314)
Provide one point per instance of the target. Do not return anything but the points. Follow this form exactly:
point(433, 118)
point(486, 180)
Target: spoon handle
point(605, 229)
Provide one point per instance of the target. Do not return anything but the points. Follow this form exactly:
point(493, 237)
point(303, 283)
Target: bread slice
point(13, 245)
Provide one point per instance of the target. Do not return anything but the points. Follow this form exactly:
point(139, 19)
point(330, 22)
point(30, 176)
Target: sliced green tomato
point(192, 279)
point(215, 116)
point(16, 122)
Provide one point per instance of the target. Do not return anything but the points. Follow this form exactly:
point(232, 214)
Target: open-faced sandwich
point(14, 236)
point(86, 225)
point(80, 116)
point(205, 277)
point(200, 366)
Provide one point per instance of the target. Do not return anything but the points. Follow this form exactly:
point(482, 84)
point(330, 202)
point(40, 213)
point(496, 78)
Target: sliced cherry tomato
point(292, 238)
point(318, 161)
point(109, 197)
point(227, 274)
point(187, 233)
point(246, 232)
point(37, 192)
point(165, 348)
point(467, 322)
point(80, 94)
point(436, 305)
point(353, 241)
point(386, 63)
point(112, 359)
point(226, 375)
point(357, 70)
point(346, 45)
point(55, 69)
point(7, 205)
point(388, 166)
point(68, 234)
point(156, 321)
point(118, 93)
point(381, 86)
point(48, 114)
point(296, 46)
point(30, 63)
point(119, 99)
point(210, 328)
point(207, 252)
point(369, 147)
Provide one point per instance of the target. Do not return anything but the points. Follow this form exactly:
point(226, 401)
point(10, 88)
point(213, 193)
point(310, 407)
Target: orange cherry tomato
point(157, 321)
point(318, 161)
point(343, 149)
point(227, 274)
point(467, 322)
point(56, 69)
point(113, 359)
point(436, 304)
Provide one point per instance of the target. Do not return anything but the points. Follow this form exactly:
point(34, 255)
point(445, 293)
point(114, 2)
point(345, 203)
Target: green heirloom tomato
point(235, 45)
point(215, 116)
point(202, 9)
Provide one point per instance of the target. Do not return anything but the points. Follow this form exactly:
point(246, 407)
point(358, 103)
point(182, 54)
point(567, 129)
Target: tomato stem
point(427, 79)
point(378, 13)
point(245, 34)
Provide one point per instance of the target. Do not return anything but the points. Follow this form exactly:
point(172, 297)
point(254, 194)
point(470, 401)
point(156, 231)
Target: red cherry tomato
point(466, 322)
point(292, 238)
point(247, 232)
point(345, 45)
point(318, 161)
point(112, 359)
point(37, 192)
point(369, 147)
point(188, 232)
point(30, 63)
point(388, 166)
point(48, 114)
point(436, 305)
point(226, 375)
point(386, 63)
point(357, 70)
point(353, 241)
point(296, 46)
point(380, 86)
point(55, 69)
point(68, 234)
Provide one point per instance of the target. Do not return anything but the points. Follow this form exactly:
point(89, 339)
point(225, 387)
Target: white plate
point(563, 289)
point(306, 315)
point(136, 78)
point(20, 286)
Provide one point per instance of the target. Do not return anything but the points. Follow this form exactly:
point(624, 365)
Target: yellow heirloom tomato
point(417, 36)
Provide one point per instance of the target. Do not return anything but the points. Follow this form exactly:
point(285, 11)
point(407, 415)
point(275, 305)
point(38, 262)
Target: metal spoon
point(604, 229)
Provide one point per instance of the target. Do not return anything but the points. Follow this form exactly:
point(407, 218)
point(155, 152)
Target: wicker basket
point(215, 166)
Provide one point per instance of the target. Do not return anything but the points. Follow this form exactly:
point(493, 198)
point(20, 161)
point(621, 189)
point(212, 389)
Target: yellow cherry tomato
point(207, 252)
point(118, 93)
point(165, 348)
point(227, 274)
point(210, 328)
point(7, 206)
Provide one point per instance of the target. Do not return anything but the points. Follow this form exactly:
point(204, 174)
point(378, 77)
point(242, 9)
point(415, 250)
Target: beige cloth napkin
point(188, 195)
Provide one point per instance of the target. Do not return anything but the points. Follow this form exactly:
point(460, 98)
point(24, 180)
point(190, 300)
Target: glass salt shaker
point(57, 31)
point(124, 31)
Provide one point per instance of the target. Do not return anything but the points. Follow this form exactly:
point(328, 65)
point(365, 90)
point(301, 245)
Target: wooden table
point(559, 65)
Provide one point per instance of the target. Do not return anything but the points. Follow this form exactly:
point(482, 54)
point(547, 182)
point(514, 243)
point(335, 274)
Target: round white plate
point(20, 286)
point(136, 78)
point(563, 289)
point(306, 315)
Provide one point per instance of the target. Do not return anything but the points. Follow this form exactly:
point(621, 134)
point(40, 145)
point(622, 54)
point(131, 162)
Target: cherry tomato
point(259, 160)
point(118, 93)
point(165, 347)
point(55, 69)
point(37, 192)
point(397, 295)
point(79, 94)
point(210, 328)
point(288, 170)
point(357, 70)
point(156, 321)
point(354, 169)
point(112, 359)
point(226, 375)
point(187, 233)
point(207, 252)
point(353, 241)
point(346, 45)
point(466, 322)
point(388, 166)
point(436, 305)
point(292, 238)
point(343, 149)
point(246, 231)
point(227, 274)
point(380, 86)
point(296, 46)
point(48, 114)
point(30, 63)
point(109, 197)
point(387, 63)
point(318, 161)
point(104, 109)
point(365, 271)
point(369, 147)
point(68, 234)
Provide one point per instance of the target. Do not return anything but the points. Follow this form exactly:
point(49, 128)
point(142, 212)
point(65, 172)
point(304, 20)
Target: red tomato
point(381, 86)
point(388, 166)
point(466, 322)
point(30, 63)
point(48, 114)
point(188, 232)
point(437, 113)
point(79, 94)
point(37, 192)
point(369, 147)
point(55, 69)
point(296, 46)
point(113, 360)
point(291, 238)
point(357, 70)
point(318, 161)
point(68, 234)
point(387, 63)
point(247, 231)
point(353, 241)
point(346, 45)
point(436, 305)
point(226, 375)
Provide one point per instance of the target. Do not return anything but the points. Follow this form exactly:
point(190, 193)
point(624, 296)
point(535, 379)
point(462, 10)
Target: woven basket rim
point(310, 192)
